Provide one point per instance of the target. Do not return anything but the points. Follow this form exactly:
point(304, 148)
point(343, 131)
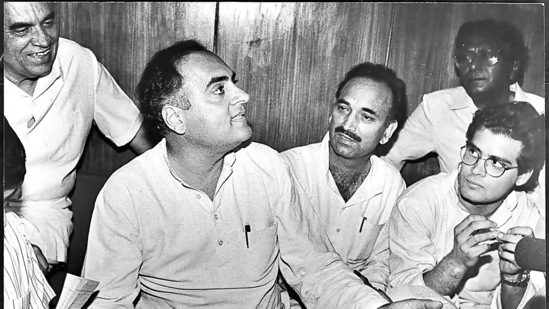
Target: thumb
point(431, 304)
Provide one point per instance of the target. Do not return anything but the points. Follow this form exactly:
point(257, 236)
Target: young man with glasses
point(490, 59)
point(456, 233)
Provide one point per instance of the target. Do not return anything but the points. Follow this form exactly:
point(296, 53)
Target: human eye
point(21, 31)
point(496, 163)
point(342, 107)
point(219, 90)
point(367, 117)
point(49, 23)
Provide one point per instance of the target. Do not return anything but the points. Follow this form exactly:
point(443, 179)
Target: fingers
point(524, 231)
point(433, 305)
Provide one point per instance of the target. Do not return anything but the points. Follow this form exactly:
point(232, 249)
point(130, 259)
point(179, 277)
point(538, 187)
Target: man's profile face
point(475, 185)
point(30, 40)
point(478, 78)
point(216, 117)
point(359, 118)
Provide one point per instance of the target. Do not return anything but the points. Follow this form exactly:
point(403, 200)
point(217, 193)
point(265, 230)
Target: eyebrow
point(220, 79)
point(19, 25)
point(490, 156)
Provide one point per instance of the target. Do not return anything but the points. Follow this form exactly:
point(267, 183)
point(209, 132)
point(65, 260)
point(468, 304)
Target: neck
point(348, 174)
point(486, 210)
point(496, 97)
point(197, 166)
point(25, 84)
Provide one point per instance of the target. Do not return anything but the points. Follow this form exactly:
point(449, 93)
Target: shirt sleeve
point(412, 252)
point(376, 268)
point(415, 140)
point(113, 255)
point(115, 114)
point(309, 263)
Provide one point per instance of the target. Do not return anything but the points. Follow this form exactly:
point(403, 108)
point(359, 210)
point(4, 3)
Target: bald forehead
point(25, 12)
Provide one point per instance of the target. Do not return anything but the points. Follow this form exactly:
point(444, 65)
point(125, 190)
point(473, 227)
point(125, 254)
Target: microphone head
point(530, 254)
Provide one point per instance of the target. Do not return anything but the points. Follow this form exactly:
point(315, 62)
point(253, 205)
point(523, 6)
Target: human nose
point(479, 168)
point(349, 122)
point(241, 97)
point(42, 37)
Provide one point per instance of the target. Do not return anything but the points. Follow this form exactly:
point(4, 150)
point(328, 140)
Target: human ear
point(523, 178)
point(174, 118)
point(391, 128)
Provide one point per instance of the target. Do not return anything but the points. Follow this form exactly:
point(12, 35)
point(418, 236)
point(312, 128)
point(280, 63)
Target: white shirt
point(421, 234)
point(153, 234)
point(439, 123)
point(362, 245)
point(78, 92)
point(25, 286)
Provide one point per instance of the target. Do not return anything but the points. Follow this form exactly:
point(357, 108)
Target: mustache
point(352, 135)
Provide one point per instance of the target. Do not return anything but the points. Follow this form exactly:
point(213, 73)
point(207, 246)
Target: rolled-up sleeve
point(113, 254)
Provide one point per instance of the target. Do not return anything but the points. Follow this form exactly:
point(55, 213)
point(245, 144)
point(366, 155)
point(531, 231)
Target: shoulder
point(69, 50)
point(390, 173)
point(427, 191)
point(537, 102)
point(301, 154)
point(445, 98)
point(260, 154)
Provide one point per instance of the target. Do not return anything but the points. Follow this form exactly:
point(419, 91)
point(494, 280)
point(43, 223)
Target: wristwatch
point(521, 282)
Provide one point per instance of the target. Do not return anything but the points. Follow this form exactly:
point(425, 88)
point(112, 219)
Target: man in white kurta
point(357, 227)
point(204, 219)
point(425, 232)
point(52, 112)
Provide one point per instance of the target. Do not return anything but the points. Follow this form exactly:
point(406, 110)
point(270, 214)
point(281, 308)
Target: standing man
point(204, 219)
point(352, 190)
point(456, 233)
point(54, 90)
point(490, 61)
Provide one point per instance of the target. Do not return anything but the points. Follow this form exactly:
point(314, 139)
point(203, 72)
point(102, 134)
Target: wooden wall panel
point(291, 56)
point(124, 36)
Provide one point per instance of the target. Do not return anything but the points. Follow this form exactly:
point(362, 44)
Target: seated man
point(490, 61)
point(203, 220)
point(24, 264)
point(352, 190)
point(456, 233)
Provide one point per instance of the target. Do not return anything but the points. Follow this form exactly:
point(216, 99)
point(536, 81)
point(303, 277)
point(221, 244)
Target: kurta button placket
point(220, 242)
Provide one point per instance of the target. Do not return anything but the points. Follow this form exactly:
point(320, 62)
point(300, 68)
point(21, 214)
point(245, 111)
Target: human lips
point(473, 184)
point(41, 56)
point(239, 117)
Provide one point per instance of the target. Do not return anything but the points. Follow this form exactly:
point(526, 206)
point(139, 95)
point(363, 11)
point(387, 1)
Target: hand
point(42, 261)
point(468, 238)
point(413, 304)
point(507, 264)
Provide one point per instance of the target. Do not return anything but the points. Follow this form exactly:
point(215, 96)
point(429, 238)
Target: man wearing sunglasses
point(456, 233)
point(490, 59)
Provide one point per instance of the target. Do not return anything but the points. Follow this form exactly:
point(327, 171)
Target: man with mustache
point(490, 60)
point(206, 219)
point(456, 233)
point(54, 90)
point(352, 190)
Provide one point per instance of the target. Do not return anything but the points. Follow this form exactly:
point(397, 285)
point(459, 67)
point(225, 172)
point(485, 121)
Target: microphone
point(530, 254)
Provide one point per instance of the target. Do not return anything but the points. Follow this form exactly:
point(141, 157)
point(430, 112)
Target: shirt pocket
point(254, 260)
point(363, 242)
point(22, 302)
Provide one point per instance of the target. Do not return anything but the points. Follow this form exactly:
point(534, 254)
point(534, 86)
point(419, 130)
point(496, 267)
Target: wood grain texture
point(290, 56)
point(124, 36)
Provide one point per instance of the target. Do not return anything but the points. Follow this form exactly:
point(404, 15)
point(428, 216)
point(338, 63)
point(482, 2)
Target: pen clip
point(247, 229)
point(362, 224)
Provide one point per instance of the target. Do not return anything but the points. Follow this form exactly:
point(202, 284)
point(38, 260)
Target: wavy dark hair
point(14, 158)
point(161, 82)
point(506, 36)
point(521, 122)
point(382, 74)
